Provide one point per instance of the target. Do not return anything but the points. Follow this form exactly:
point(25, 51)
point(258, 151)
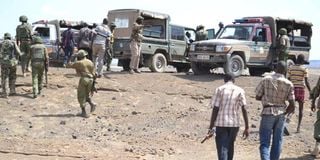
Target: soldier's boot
point(108, 67)
point(39, 91)
point(92, 105)
point(316, 150)
point(84, 113)
point(12, 92)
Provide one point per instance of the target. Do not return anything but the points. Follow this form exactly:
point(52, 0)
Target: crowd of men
point(95, 49)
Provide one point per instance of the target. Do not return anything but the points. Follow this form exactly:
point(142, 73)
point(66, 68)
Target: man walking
point(24, 40)
point(67, 45)
point(135, 45)
point(273, 92)
point(298, 75)
point(39, 60)
point(227, 102)
point(9, 59)
point(101, 33)
point(84, 67)
point(84, 40)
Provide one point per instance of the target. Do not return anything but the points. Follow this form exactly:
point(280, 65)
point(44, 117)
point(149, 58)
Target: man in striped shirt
point(298, 75)
point(227, 102)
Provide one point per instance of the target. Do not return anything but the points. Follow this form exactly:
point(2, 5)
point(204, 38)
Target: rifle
point(93, 88)
point(210, 134)
point(46, 67)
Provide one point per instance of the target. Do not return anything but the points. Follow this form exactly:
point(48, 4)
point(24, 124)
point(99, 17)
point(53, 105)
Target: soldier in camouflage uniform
point(201, 34)
point(283, 45)
point(9, 59)
point(109, 47)
point(85, 68)
point(24, 40)
point(39, 60)
point(135, 45)
point(314, 95)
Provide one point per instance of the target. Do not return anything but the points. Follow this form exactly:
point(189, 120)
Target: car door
point(178, 42)
point(260, 45)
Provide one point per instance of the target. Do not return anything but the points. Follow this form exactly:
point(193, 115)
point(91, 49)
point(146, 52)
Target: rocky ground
point(140, 116)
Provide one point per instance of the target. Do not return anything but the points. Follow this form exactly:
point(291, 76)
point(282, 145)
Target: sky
point(187, 13)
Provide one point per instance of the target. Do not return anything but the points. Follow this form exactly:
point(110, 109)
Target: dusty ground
point(141, 116)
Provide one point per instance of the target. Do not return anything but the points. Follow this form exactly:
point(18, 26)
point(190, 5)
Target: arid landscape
point(141, 116)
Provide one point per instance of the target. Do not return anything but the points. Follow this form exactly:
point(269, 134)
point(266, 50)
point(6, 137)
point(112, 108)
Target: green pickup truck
point(163, 43)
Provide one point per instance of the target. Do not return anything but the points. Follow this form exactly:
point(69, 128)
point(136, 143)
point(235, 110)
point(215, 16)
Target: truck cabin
point(245, 29)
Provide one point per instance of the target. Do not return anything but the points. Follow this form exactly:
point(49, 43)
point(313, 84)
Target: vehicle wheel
point(185, 68)
point(158, 63)
point(235, 66)
point(197, 69)
point(125, 63)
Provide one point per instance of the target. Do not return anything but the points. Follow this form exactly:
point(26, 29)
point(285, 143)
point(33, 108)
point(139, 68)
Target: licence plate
point(203, 57)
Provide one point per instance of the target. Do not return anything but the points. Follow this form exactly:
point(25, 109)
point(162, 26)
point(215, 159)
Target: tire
point(158, 63)
point(184, 68)
point(125, 63)
point(235, 65)
point(198, 69)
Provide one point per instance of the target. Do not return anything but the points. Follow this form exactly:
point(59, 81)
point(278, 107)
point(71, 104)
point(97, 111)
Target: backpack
point(85, 38)
point(23, 31)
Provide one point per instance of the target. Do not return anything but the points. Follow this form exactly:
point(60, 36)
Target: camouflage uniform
point(39, 58)
point(85, 69)
point(283, 44)
point(135, 45)
point(314, 95)
point(109, 47)
point(9, 59)
point(23, 37)
point(201, 34)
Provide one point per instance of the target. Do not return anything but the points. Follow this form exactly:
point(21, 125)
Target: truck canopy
point(124, 19)
point(296, 28)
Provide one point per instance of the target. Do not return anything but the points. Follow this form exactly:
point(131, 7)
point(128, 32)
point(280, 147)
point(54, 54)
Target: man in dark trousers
point(227, 102)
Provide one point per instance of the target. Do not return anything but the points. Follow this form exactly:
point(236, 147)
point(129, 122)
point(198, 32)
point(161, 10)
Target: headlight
point(223, 48)
point(192, 47)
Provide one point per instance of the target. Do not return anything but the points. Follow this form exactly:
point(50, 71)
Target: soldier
point(283, 45)
point(84, 67)
point(109, 46)
point(135, 45)
point(39, 60)
point(201, 34)
point(24, 40)
point(9, 59)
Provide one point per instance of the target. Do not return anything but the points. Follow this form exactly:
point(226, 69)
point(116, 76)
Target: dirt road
point(140, 116)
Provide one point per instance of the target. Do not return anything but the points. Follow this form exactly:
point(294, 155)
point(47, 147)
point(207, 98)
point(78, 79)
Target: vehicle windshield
point(236, 32)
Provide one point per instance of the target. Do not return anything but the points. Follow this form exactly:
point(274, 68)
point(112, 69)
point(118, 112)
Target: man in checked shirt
point(273, 91)
point(227, 102)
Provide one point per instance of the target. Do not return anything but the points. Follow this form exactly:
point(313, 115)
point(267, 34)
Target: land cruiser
point(250, 43)
point(163, 44)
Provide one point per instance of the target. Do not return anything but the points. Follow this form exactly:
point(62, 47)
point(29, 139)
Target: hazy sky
point(187, 13)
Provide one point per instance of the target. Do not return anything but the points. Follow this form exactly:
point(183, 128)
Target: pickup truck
point(163, 44)
point(250, 42)
point(50, 32)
